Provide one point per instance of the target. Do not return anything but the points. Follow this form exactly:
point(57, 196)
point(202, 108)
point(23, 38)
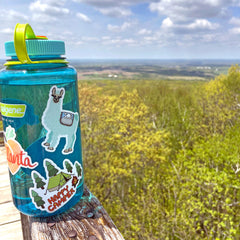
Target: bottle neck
point(39, 62)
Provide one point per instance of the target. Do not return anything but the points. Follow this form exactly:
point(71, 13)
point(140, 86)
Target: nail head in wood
point(89, 214)
point(72, 234)
point(51, 224)
point(92, 238)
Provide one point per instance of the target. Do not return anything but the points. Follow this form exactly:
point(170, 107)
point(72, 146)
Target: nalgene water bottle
point(40, 113)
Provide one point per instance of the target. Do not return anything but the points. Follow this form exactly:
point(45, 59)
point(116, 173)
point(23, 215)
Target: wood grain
point(5, 192)
point(9, 213)
point(88, 219)
point(11, 231)
point(10, 223)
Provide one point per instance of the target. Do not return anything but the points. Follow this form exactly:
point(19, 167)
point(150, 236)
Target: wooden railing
point(88, 220)
point(1, 139)
point(1, 133)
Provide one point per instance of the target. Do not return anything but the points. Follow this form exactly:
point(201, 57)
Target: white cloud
point(144, 31)
point(208, 37)
point(157, 39)
point(186, 10)
point(56, 2)
point(188, 27)
point(90, 39)
point(113, 28)
point(7, 31)
point(48, 10)
point(114, 8)
point(203, 24)
point(235, 31)
point(12, 15)
point(78, 42)
point(83, 17)
point(121, 28)
point(111, 3)
point(47, 7)
point(151, 39)
point(167, 23)
point(106, 38)
point(235, 21)
point(67, 33)
point(43, 18)
point(118, 41)
point(115, 11)
point(128, 41)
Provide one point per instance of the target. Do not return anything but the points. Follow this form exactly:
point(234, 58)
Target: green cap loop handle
point(23, 31)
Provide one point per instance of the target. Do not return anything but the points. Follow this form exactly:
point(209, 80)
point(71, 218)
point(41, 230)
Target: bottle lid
point(26, 45)
point(37, 47)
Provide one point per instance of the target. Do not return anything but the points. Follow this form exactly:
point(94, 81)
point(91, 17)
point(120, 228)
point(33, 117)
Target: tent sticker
point(60, 186)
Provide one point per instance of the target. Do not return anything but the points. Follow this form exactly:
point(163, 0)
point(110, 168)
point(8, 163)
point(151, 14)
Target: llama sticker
point(59, 123)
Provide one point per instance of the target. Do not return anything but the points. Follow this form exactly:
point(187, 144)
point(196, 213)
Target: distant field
point(154, 70)
point(145, 72)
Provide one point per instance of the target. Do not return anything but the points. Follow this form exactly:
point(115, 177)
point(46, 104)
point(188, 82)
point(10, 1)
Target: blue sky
point(162, 29)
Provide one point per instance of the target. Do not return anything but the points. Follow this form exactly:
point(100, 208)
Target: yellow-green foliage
point(218, 103)
point(164, 159)
point(124, 155)
point(208, 205)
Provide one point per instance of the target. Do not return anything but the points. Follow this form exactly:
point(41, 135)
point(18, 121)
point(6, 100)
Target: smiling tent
point(58, 181)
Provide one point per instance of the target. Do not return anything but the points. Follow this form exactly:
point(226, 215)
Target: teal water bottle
point(41, 121)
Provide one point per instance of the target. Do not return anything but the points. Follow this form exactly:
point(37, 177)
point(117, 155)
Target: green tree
point(207, 187)
point(125, 161)
point(37, 199)
point(79, 169)
point(40, 183)
point(52, 171)
point(164, 160)
point(218, 104)
point(68, 166)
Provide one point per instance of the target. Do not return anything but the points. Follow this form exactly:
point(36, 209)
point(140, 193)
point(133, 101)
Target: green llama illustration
point(59, 123)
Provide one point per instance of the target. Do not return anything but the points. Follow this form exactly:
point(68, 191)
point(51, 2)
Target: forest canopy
point(163, 156)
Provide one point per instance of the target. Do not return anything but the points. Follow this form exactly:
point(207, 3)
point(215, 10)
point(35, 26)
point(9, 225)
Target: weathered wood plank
point(5, 194)
point(26, 232)
point(1, 139)
point(4, 180)
point(11, 231)
point(87, 220)
point(3, 156)
point(3, 168)
point(4, 173)
point(10, 224)
point(8, 213)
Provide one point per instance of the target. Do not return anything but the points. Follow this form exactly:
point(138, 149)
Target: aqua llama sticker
point(58, 188)
point(59, 123)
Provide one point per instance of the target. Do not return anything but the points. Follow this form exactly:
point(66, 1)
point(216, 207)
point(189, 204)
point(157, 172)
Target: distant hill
point(151, 69)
